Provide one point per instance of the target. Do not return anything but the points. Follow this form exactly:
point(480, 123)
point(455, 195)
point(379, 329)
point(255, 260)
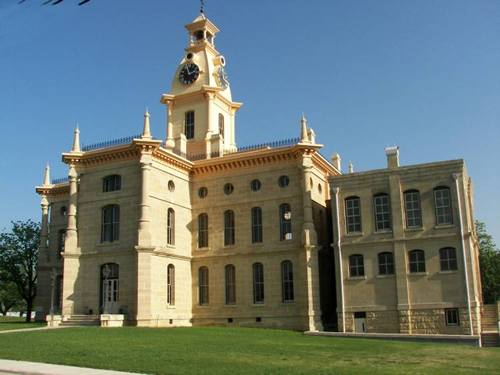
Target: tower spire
point(202, 6)
point(146, 132)
point(76, 140)
point(46, 176)
point(303, 129)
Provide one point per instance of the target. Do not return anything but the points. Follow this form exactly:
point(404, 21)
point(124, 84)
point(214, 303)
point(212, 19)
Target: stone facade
point(146, 230)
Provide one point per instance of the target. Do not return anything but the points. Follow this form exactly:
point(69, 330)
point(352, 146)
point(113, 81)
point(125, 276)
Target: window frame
point(446, 261)
point(285, 224)
point(356, 267)
point(414, 261)
point(230, 284)
point(221, 125)
point(202, 230)
point(385, 263)
point(112, 182)
point(203, 286)
point(413, 209)
point(452, 317)
point(110, 230)
point(171, 285)
point(353, 215)
point(256, 224)
point(443, 213)
point(171, 226)
point(287, 291)
point(189, 123)
point(382, 212)
point(229, 228)
point(258, 283)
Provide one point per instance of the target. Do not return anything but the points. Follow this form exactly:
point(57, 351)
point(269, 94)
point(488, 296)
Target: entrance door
point(110, 296)
point(360, 322)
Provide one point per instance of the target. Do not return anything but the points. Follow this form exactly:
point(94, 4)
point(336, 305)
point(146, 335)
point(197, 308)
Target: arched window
point(353, 214)
point(171, 226)
point(258, 283)
point(111, 183)
point(203, 285)
point(202, 230)
point(256, 225)
point(110, 274)
point(285, 222)
point(221, 124)
point(442, 201)
point(110, 223)
point(356, 265)
point(413, 209)
point(189, 124)
point(230, 279)
point(448, 259)
point(382, 209)
point(228, 228)
point(417, 261)
point(287, 281)
point(385, 263)
point(171, 285)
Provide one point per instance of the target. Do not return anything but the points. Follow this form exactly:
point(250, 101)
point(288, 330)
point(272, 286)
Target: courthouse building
point(194, 230)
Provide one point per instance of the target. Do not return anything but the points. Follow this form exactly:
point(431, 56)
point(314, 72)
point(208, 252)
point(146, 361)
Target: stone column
point(44, 230)
point(170, 143)
point(338, 261)
point(144, 233)
point(309, 241)
point(71, 242)
point(210, 131)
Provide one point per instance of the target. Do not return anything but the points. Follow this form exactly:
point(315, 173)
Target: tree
point(489, 261)
point(18, 259)
point(9, 296)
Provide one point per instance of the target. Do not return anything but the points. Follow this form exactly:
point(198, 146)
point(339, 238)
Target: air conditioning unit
point(288, 236)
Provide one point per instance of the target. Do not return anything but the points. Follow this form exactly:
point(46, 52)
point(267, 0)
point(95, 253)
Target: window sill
point(354, 278)
point(385, 276)
point(108, 243)
point(291, 303)
point(383, 231)
point(204, 306)
point(168, 246)
point(354, 234)
point(171, 307)
point(258, 305)
point(203, 248)
point(229, 247)
point(415, 229)
point(444, 226)
point(418, 273)
point(448, 272)
point(232, 305)
point(257, 244)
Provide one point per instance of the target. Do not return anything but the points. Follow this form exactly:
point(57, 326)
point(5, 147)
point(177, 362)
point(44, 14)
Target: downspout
point(336, 191)
point(455, 177)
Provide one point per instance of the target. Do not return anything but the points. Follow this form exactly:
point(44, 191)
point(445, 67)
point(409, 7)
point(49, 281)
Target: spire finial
point(46, 175)
point(303, 129)
point(76, 140)
point(146, 131)
point(202, 6)
point(351, 167)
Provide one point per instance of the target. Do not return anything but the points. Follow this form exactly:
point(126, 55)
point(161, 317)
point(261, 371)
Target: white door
point(360, 325)
point(110, 296)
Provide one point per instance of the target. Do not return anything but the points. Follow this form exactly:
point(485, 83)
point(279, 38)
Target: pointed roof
point(76, 140)
point(202, 22)
point(146, 131)
point(46, 176)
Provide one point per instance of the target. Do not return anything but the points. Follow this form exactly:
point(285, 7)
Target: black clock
point(189, 73)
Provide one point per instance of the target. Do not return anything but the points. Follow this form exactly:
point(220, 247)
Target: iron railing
point(61, 180)
point(111, 143)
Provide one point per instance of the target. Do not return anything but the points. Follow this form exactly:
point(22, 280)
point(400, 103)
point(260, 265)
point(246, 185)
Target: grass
point(210, 350)
point(8, 323)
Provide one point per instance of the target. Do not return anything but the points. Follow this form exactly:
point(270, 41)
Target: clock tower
point(200, 109)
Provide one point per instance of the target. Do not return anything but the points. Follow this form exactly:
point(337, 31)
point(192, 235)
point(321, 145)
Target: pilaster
point(144, 232)
point(44, 230)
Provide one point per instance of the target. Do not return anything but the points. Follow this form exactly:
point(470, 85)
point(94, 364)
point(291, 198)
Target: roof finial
point(46, 176)
point(146, 132)
point(202, 6)
point(76, 140)
point(351, 167)
point(303, 129)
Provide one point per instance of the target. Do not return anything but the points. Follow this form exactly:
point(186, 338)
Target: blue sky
point(424, 75)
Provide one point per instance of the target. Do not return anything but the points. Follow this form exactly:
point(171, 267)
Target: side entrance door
point(360, 322)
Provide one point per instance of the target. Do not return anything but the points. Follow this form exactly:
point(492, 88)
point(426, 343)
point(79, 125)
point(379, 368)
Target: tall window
point(285, 222)
point(356, 265)
point(382, 211)
point(221, 124)
point(256, 225)
point(413, 209)
point(111, 183)
point(287, 281)
point(353, 214)
point(61, 240)
point(385, 263)
point(171, 285)
point(202, 230)
point(442, 202)
point(110, 223)
point(417, 261)
point(448, 259)
point(258, 283)
point(228, 228)
point(110, 273)
point(189, 124)
point(230, 274)
point(203, 285)
point(171, 226)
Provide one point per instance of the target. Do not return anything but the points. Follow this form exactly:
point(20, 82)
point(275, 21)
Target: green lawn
point(8, 323)
point(241, 351)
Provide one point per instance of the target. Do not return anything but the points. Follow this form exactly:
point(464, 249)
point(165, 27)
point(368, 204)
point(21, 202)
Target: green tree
point(489, 260)
point(18, 259)
point(9, 296)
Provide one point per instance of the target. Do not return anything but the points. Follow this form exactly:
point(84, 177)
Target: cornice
point(53, 190)
point(169, 158)
point(171, 99)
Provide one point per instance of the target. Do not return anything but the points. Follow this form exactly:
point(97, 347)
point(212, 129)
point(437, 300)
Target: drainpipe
point(336, 192)
point(455, 177)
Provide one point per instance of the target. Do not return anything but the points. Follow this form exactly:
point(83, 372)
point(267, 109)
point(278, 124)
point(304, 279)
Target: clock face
point(224, 81)
point(189, 73)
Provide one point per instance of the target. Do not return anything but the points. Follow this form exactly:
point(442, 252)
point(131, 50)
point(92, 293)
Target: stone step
point(77, 323)
point(490, 339)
